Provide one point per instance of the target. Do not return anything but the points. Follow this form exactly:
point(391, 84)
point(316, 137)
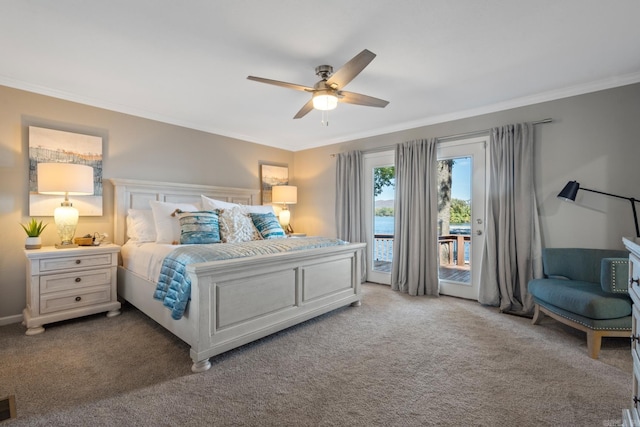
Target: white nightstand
point(67, 283)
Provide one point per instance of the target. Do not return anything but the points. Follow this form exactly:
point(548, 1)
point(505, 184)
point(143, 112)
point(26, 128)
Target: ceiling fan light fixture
point(324, 100)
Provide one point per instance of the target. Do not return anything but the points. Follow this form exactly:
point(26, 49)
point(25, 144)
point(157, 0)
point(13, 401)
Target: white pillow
point(258, 209)
point(168, 226)
point(237, 226)
point(209, 204)
point(140, 225)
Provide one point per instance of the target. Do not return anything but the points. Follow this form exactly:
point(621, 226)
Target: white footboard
point(238, 301)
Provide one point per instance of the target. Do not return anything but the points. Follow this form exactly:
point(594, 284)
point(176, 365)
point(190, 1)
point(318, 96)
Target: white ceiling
point(186, 63)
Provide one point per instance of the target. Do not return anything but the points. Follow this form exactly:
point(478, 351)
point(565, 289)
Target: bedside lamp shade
point(287, 195)
point(65, 179)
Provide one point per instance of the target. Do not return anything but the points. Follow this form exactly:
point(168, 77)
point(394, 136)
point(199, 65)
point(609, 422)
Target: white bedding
point(145, 259)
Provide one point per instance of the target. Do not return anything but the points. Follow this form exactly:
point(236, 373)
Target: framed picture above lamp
point(271, 175)
point(55, 146)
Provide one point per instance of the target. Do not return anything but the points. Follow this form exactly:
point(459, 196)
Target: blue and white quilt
point(174, 284)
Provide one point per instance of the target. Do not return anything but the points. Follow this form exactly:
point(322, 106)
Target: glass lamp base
point(66, 245)
point(66, 219)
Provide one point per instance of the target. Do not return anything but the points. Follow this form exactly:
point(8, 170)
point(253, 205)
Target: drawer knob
point(78, 298)
point(635, 338)
point(635, 400)
point(78, 279)
point(636, 281)
point(78, 261)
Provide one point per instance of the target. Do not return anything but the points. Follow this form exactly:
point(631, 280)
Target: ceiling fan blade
point(304, 110)
point(281, 84)
point(351, 69)
point(359, 99)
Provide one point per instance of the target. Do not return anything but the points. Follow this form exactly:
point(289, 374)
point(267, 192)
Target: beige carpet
point(394, 361)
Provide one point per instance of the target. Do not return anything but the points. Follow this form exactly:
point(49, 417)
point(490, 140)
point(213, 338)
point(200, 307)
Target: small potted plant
point(33, 229)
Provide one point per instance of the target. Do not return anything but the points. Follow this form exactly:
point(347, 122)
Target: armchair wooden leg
point(594, 342)
point(538, 315)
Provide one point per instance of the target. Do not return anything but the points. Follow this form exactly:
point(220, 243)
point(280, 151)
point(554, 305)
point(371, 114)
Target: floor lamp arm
point(635, 215)
point(633, 206)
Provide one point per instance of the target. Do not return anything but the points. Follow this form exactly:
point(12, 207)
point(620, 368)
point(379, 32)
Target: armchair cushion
point(584, 298)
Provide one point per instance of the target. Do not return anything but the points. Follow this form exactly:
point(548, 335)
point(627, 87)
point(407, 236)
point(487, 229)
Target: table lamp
point(287, 195)
point(65, 179)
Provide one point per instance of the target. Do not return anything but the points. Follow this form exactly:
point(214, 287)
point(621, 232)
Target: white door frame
point(476, 148)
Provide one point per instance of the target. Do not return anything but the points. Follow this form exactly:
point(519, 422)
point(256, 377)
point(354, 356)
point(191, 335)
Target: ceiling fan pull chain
point(325, 118)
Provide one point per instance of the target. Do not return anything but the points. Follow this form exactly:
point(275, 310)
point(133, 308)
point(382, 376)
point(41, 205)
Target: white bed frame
point(237, 301)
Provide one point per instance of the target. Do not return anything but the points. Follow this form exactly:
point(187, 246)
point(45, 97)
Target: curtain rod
point(460, 135)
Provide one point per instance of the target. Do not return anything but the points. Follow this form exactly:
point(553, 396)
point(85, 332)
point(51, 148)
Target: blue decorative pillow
point(268, 225)
point(199, 227)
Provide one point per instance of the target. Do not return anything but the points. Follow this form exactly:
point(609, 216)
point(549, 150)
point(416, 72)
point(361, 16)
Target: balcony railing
point(452, 248)
point(383, 247)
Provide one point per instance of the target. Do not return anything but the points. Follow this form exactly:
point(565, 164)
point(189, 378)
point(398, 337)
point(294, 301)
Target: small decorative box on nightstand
point(67, 283)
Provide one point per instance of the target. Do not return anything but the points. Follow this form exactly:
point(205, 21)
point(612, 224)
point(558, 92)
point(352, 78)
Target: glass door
point(379, 215)
point(461, 212)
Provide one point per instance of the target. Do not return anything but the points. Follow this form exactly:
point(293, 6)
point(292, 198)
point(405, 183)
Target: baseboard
point(8, 320)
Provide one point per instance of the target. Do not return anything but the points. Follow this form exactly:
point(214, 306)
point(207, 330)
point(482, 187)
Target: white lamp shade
point(324, 100)
point(287, 194)
point(65, 178)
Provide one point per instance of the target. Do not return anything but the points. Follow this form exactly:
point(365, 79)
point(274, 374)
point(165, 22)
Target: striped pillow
point(268, 225)
point(199, 227)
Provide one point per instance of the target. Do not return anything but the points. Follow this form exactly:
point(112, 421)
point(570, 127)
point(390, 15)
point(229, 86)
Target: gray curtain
point(512, 250)
point(415, 259)
point(349, 213)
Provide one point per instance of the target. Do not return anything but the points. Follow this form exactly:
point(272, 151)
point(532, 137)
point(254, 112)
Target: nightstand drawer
point(83, 261)
point(66, 300)
point(77, 280)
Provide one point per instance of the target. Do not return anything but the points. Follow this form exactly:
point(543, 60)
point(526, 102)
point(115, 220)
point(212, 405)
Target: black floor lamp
point(570, 190)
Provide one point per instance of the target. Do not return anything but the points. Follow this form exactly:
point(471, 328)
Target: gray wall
point(132, 148)
point(594, 139)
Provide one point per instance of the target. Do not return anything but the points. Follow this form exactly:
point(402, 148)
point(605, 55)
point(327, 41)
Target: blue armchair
point(587, 290)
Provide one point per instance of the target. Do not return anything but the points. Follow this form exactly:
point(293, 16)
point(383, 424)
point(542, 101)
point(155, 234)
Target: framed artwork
point(55, 146)
point(271, 175)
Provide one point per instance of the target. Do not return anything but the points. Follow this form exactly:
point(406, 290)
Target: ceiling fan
point(326, 94)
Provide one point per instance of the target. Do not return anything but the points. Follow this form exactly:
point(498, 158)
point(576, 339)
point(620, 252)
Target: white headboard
point(136, 194)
